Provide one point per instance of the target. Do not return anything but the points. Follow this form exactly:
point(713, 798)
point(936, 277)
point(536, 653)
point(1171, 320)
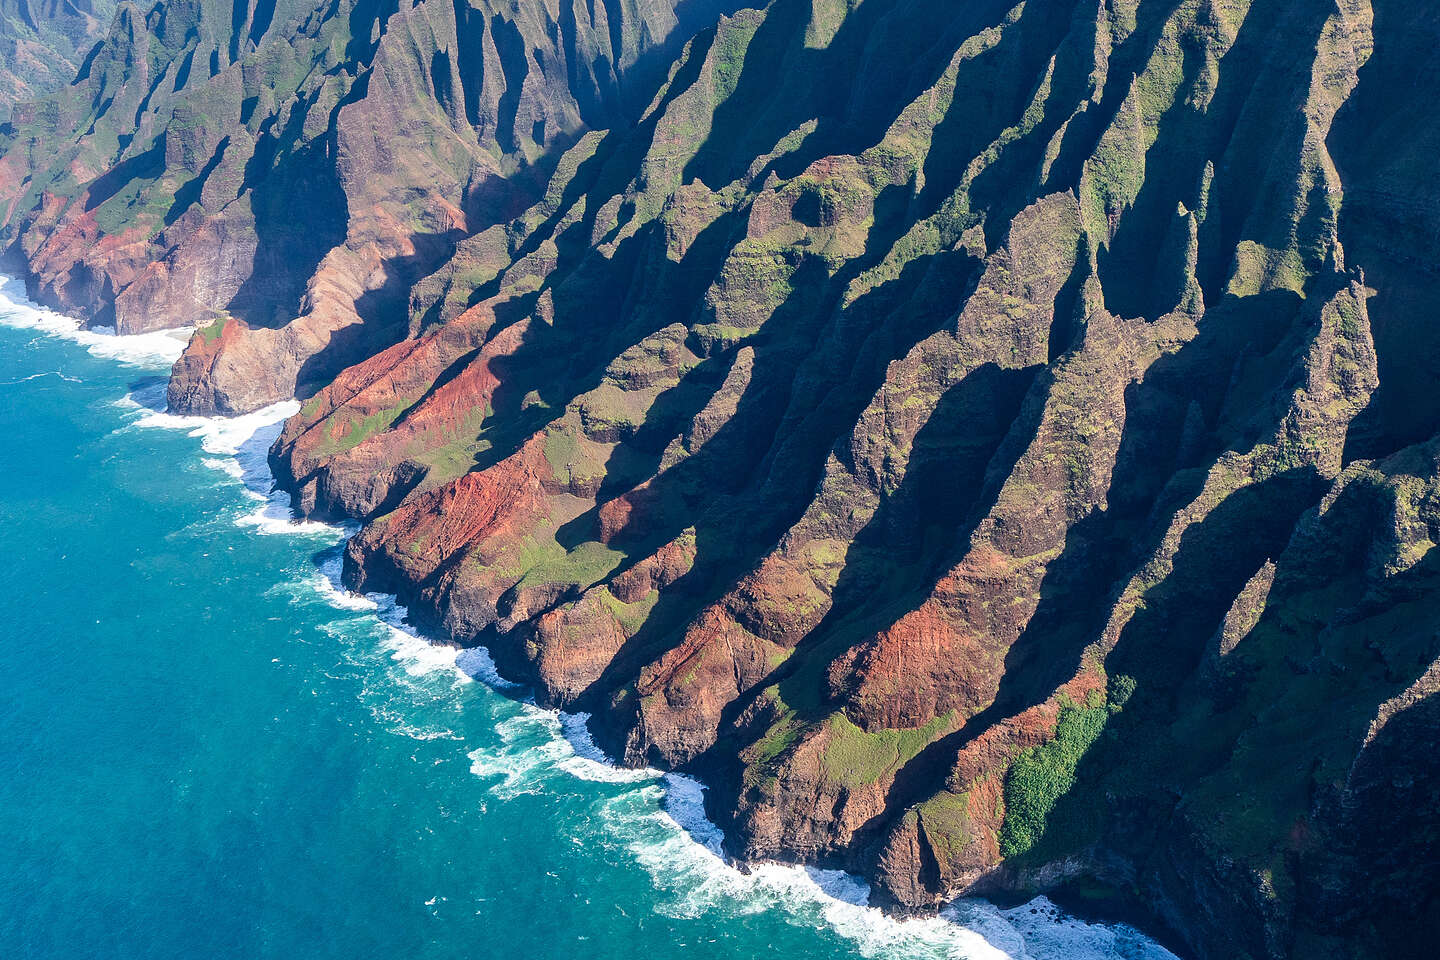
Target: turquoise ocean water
point(209, 750)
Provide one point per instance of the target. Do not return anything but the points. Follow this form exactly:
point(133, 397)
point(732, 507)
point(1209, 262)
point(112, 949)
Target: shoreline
point(245, 441)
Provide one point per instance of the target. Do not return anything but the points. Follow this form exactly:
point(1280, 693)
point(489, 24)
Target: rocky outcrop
point(989, 443)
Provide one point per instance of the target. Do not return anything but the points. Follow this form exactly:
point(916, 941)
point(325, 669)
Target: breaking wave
point(160, 348)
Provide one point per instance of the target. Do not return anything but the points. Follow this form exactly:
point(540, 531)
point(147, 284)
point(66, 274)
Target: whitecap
point(239, 447)
point(405, 646)
point(476, 663)
point(530, 745)
point(536, 743)
point(40, 376)
point(419, 656)
point(326, 583)
point(226, 466)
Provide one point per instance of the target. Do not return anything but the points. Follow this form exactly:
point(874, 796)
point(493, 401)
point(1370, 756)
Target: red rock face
point(923, 665)
point(390, 409)
point(432, 531)
point(79, 261)
point(957, 434)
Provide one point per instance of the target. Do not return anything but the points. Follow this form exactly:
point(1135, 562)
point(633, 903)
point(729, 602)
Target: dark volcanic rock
point(992, 443)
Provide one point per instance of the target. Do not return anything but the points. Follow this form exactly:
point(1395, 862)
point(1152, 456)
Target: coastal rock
point(993, 445)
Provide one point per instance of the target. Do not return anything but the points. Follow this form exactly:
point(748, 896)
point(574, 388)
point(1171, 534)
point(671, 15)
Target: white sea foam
point(670, 836)
point(536, 744)
point(41, 376)
point(530, 746)
point(240, 447)
point(328, 584)
point(660, 819)
point(589, 762)
point(476, 663)
point(417, 654)
point(228, 466)
point(158, 349)
point(663, 826)
point(660, 822)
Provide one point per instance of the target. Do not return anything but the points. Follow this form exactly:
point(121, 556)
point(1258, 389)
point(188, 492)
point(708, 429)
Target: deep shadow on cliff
point(991, 444)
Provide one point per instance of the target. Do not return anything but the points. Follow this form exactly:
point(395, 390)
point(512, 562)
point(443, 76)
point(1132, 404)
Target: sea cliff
point(992, 444)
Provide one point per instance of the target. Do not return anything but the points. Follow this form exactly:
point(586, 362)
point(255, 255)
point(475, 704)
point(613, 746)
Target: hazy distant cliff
point(43, 43)
point(993, 443)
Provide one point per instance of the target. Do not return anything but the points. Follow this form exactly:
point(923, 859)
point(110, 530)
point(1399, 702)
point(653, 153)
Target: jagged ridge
point(990, 444)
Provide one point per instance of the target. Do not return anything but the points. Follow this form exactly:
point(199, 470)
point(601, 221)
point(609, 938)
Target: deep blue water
point(206, 750)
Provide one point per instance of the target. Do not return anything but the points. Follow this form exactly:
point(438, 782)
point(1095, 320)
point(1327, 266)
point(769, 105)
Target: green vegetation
point(572, 456)
point(139, 202)
point(818, 201)
point(211, 332)
point(529, 552)
point(731, 43)
point(855, 758)
point(781, 736)
point(945, 819)
point(457, 455)
point(586, 565)
point(349, 434)
point(630, 616)
point(1042, 775)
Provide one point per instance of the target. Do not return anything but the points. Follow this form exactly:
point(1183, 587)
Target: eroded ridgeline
point(989, 442)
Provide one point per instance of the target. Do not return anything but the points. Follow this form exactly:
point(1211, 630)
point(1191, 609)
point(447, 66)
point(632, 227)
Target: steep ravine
point(992, 444)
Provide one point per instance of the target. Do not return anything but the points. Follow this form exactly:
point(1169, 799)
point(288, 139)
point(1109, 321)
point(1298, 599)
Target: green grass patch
point(945, 819)
point(568, 457)
point(211, 331)
point(631, 616)
point(139, 201)
point(530, 553)
point(781, 736)
point(856, 758)
point(586, 565)
point(359, 429)
point(783, 733)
